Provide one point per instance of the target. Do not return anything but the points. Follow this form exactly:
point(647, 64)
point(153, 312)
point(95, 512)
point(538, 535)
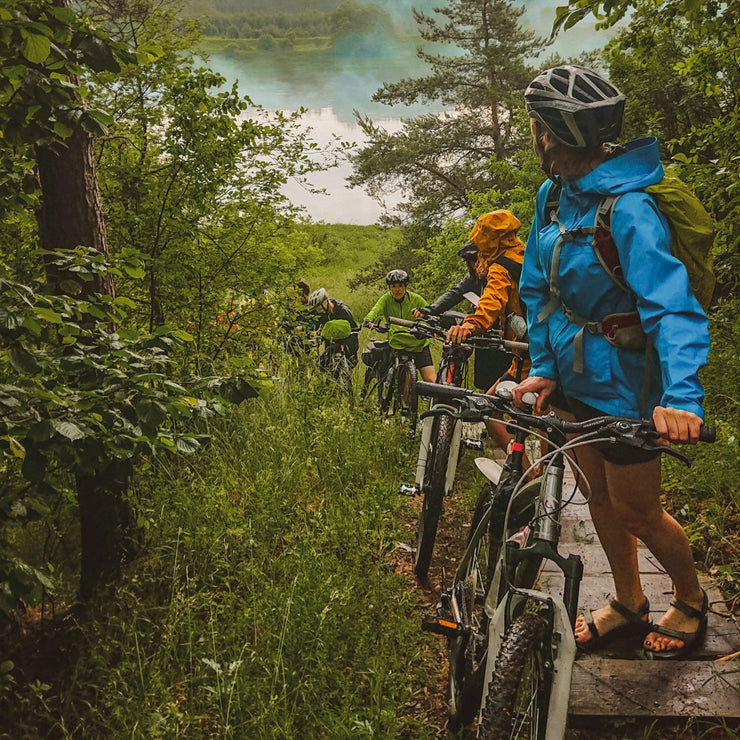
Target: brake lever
point(646, 443)
point(667, 451)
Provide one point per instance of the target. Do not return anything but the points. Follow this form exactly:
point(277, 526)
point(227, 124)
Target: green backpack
point(335, 330)
point(692, 233)
point(692, 236)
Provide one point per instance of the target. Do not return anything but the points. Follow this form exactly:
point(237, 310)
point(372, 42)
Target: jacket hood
point(633, 170)
point(494, 233)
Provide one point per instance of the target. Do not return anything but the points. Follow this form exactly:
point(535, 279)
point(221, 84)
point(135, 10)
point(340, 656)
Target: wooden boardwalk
point(616, 680)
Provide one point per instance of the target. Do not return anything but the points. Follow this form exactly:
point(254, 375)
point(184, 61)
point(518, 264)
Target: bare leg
point(619, 545)
point(631, 509)
point(427, 374)
point(637, 504)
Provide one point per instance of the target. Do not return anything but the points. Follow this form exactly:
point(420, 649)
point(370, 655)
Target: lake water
point(331, 88)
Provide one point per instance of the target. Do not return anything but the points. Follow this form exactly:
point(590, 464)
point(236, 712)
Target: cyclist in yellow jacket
point(500, 257)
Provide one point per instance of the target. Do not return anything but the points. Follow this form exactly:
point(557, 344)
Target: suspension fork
point(546, 535)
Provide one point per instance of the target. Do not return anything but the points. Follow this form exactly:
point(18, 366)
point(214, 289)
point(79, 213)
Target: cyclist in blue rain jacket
point(587, 335)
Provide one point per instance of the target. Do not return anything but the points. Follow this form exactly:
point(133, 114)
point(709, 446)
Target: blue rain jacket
point(676, 326)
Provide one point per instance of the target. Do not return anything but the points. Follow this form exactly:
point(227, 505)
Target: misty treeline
point(288, 19)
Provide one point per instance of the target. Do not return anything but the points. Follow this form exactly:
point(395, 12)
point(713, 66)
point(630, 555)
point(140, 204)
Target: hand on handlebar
point(542, 387)
point(368, 324)
point(457, 334)
point(420, 313)
point(676, 425)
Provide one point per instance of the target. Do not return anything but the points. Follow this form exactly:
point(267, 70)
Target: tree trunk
point(107, 529)
point(71, 215)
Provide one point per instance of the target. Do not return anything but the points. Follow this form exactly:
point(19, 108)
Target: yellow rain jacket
point(495, 236)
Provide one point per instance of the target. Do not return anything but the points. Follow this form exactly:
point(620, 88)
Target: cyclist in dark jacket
point(331, 309)
point(469, 288)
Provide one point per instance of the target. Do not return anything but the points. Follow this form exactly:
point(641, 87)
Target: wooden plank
point(594, 558)
point(655, 688)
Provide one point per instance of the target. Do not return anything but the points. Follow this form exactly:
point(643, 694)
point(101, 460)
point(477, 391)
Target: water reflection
point(332, 86)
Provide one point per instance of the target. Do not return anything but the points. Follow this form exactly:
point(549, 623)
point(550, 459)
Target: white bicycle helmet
point(317, 297)
point(577, 105)
point(397, 276)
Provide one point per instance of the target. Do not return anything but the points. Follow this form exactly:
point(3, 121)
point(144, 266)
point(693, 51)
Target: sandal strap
point(686, 637)
point(628, 614)
point(689, 610)
point(589, 617)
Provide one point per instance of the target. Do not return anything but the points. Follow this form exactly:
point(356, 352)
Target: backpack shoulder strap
point(513, 268)
point(603, 242)
point(552, 204)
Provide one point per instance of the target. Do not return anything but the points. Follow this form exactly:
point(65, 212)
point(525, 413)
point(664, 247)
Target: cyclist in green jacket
point(399, 302)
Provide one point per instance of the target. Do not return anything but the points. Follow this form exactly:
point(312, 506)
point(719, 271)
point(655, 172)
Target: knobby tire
point(434, 491)
point(519, 693)
point(407, 402)
point(386, 383)
point(467, 657)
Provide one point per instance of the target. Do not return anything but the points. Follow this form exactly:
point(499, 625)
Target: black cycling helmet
point(468, 250)
point(397, 276)
point(577, 105)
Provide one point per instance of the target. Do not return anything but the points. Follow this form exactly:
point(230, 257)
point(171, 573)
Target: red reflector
point(517, 447)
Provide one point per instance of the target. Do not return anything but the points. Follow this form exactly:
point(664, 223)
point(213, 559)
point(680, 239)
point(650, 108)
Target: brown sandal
point(689, 639)
point(635, 625)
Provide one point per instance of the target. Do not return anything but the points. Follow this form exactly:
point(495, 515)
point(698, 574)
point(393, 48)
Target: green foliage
point(78, 398)
point(681, 79)
point(192, 176)
point(44, 51)
point(270, 604)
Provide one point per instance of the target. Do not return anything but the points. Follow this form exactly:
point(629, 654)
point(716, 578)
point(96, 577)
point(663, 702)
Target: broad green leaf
point(35, 47)
point(150, 412)
point(187, 445)
point(23, 361)
point(15, 446)
point(48, 315)
point(68, 429)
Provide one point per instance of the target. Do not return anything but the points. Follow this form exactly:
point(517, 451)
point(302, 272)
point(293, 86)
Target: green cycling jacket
point(387, 306)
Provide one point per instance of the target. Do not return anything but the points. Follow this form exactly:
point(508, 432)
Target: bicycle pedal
point(473, 444)
point(446, 627)
point(409, 490)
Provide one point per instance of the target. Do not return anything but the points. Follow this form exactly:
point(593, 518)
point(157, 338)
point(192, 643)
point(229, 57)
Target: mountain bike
point(395, 375)
point(335, 360)
point(510, 646)
point(442, 442)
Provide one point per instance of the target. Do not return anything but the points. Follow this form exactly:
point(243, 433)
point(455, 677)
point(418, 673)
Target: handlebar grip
point(401, 322)
point(708, 434)
point(515, 346)
point(441, 390)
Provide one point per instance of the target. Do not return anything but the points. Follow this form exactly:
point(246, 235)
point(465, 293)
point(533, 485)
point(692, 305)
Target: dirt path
point(449, 545)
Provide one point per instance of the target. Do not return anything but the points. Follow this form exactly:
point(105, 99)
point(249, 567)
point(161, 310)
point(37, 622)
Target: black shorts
point(423, 358)
point(613, 453)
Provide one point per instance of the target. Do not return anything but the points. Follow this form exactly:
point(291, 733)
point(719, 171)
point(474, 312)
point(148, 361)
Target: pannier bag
point(376, 352)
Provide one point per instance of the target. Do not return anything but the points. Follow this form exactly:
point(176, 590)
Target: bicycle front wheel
point(434, 491)
point(407, 402)
point(518, 695)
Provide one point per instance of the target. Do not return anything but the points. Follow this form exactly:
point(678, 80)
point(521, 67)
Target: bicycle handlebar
point(634, 432)
point(427, 329)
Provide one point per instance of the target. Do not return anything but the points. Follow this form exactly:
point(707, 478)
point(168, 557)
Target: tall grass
point(268, 605)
